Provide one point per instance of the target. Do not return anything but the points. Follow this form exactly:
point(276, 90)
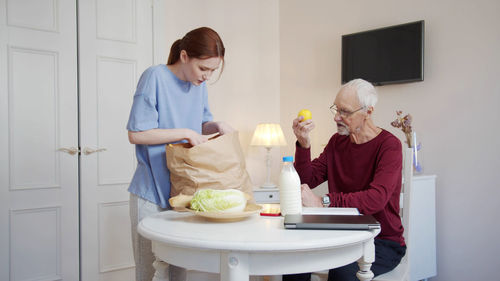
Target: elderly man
point(362, 164)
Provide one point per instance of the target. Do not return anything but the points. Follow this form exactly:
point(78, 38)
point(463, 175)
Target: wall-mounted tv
point(393, 54)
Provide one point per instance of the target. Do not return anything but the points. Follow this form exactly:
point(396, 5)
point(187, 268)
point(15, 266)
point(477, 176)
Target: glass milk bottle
point(290, 195)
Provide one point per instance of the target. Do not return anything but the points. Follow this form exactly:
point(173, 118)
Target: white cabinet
point(266, 195)
point(422, 238)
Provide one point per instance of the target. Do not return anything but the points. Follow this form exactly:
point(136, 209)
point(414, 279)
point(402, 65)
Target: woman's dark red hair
point(200, 43)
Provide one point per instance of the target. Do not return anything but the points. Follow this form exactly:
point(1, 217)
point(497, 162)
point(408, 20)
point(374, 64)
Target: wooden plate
point(250, 209)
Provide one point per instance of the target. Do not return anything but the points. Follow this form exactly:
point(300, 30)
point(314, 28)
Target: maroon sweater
point(365, 176)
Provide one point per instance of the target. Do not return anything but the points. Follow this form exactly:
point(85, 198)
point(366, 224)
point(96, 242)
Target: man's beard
point(342, 129)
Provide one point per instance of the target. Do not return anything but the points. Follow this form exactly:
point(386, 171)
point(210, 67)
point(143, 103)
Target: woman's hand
point(220, 127)
point(224, 128)
point(302, 130)
point(309, 199)
point(194, 138)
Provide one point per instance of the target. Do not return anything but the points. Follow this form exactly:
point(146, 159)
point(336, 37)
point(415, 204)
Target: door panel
point(33, 14)
point(115, 47)
point(112, 255)
point(38, 105)
point(115, 76)
point(40, 69)
point(46, 263)
point(39, 110)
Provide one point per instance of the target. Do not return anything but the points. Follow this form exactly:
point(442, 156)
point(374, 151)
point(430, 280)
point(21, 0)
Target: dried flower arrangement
point(404, 122)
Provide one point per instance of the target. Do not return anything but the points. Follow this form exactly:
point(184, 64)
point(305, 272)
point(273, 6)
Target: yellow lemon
point(305, 113)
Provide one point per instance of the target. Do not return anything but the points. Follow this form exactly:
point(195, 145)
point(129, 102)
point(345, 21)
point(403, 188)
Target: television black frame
point(380, 83)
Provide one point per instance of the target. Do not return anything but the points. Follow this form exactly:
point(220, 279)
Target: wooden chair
point(402, 271)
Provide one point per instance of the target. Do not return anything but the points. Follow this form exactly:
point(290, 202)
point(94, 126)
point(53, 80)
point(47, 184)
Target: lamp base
point(268, 185)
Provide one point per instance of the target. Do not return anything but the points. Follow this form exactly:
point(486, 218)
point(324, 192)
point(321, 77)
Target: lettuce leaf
point(211, 200)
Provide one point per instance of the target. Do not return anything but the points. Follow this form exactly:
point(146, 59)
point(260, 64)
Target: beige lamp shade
point(268, 134)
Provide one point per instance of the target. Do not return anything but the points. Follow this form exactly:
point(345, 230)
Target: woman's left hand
point(220, 127)
point(224, 128)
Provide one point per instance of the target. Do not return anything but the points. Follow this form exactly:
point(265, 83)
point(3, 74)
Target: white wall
point(284, 56)
point(248, 90)
point(456, 108)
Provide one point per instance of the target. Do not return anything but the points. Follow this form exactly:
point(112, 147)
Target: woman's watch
point(326, 201)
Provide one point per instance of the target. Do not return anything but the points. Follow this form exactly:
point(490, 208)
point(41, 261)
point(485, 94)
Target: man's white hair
point(367, 95)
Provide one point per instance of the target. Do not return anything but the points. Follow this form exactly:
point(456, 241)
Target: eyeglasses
point(343, 113)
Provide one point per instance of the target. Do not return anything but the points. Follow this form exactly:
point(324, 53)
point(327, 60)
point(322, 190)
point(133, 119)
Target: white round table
point(254, 246)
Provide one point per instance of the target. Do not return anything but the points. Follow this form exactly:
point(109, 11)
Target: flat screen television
point(388, 55)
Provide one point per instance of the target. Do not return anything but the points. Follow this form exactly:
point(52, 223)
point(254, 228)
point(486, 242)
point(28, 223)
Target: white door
point(38, 116)
point(115, 47)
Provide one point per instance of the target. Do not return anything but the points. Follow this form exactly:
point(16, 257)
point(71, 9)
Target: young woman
point(170, 105)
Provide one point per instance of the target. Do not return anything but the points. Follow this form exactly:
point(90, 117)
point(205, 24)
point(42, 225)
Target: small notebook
point(333, 222)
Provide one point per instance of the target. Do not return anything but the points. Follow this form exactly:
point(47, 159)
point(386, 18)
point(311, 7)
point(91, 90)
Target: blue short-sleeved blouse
point(162, 101)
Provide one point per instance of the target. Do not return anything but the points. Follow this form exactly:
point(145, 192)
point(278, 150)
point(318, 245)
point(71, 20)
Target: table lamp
point(268, 135)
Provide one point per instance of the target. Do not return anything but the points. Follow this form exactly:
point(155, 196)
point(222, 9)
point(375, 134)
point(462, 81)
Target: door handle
point(71, 151)
point(88, 151)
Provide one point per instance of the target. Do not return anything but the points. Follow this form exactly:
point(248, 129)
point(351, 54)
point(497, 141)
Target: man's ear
point(369, 111)
point(184, 56)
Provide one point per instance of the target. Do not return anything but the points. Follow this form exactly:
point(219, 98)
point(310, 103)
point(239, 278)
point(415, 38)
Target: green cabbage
point(211, 200)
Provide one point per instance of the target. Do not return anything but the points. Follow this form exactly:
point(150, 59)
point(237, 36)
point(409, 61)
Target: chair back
point(402, 271)
point(405, 199)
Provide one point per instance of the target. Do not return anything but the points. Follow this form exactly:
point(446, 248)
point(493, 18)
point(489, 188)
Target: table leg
point(365, 262)
point(161, 270)
point(234, 266)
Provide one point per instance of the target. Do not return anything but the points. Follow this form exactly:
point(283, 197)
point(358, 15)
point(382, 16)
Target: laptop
point(333, 222)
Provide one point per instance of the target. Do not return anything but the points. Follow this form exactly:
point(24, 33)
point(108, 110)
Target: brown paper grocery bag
point(216, 164)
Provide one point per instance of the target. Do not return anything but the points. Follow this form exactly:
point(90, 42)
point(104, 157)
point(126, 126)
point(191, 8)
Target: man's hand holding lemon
point(302, 125)
point(305, 113)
